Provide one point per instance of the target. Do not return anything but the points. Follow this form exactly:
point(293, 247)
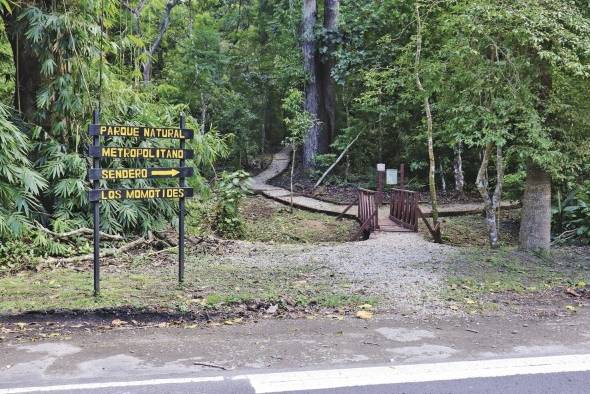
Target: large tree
point(519, 67)
point(311, 145)
point(328, 85)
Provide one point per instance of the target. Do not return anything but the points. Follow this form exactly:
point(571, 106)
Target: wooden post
point(380, 184)
point(402, 175)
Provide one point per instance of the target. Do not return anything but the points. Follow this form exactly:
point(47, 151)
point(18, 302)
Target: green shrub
point(15, 255)
point(571, 216)
point(219, 212)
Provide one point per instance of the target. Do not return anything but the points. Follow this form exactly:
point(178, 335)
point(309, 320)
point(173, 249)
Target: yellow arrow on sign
point(170, 172)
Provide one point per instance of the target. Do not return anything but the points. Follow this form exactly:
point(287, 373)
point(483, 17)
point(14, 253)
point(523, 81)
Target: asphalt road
point(571, 383)
point(556, 374)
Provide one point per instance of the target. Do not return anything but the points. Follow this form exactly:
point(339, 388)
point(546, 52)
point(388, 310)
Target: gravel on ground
point(404, 270)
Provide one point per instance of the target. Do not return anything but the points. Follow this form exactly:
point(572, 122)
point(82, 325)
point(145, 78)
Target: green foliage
point(228, 192)
point(297, 120)
point(219, 212)
point(20, 184)
point(571, 216)
point(515, 74)
point(15, 256)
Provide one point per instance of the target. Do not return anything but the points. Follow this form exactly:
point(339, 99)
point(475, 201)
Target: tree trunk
point(293, 157)
point(443, 182)
point(155, 46)
point(458, 168)
point(429, 121)
point(312, 105)
point(328, 85)
point(491, 203)
point(203, 114)
point(535, 225)
point(27, 66)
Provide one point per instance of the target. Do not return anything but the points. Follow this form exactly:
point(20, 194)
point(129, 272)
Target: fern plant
point(20, 183)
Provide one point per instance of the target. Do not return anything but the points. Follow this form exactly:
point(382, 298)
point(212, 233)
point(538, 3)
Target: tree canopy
point(498, 75)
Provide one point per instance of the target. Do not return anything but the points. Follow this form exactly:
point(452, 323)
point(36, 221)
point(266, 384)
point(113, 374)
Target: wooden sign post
point(97, 173)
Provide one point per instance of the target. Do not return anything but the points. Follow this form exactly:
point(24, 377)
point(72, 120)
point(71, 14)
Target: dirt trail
point(280, 163)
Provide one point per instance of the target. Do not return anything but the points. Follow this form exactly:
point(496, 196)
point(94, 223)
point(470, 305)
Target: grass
point(485, 274)
point(470, 230)
point(210, 283)
point(269, 221)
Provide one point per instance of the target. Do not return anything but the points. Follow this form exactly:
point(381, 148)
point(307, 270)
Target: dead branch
point(166, 250)
point(106, 253)
point(202, 364)
point(337, 160)
point(81, 231)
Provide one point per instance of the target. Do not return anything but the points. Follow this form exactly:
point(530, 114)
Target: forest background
point(488, 96)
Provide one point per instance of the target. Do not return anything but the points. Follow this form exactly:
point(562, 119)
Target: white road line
point(106, 385)
point(355, 377)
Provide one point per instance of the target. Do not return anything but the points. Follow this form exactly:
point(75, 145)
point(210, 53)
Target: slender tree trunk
point(155, 46)
point(458, 168)
point(491, 202)
point(203, 114)
point(443, 182)
point(328, 85)
point(312, 104)
point(27, 66)
point(499, 186)
point(535, 225)
point(293, 157)
point(429, 121)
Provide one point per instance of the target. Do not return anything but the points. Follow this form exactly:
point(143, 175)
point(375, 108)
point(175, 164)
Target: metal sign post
point(181, 212)
point(96, 208)
point(96, 173)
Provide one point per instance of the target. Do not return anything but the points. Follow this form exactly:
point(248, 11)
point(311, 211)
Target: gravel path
point(403, 271)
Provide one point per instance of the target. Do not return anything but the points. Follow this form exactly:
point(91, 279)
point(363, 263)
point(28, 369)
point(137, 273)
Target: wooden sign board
point(140, 132)
point(139, 173)
point(140, 153)
point(96, 173)
point(140, 194)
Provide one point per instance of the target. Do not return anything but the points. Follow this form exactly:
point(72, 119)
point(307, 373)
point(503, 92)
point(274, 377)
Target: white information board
point(391, 177)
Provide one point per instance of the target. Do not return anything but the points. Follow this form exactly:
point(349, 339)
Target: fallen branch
point(106, 253)
point(80, 231)
point(166, 250)
point(337, 161)
point(210, 365)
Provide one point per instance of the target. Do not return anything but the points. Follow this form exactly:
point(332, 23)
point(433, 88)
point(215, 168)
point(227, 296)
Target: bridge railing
point(404, 209)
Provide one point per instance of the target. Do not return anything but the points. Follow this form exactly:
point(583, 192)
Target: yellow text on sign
point(147, 132)
point(143, 153)
point(137, 194)
point(124, 173)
